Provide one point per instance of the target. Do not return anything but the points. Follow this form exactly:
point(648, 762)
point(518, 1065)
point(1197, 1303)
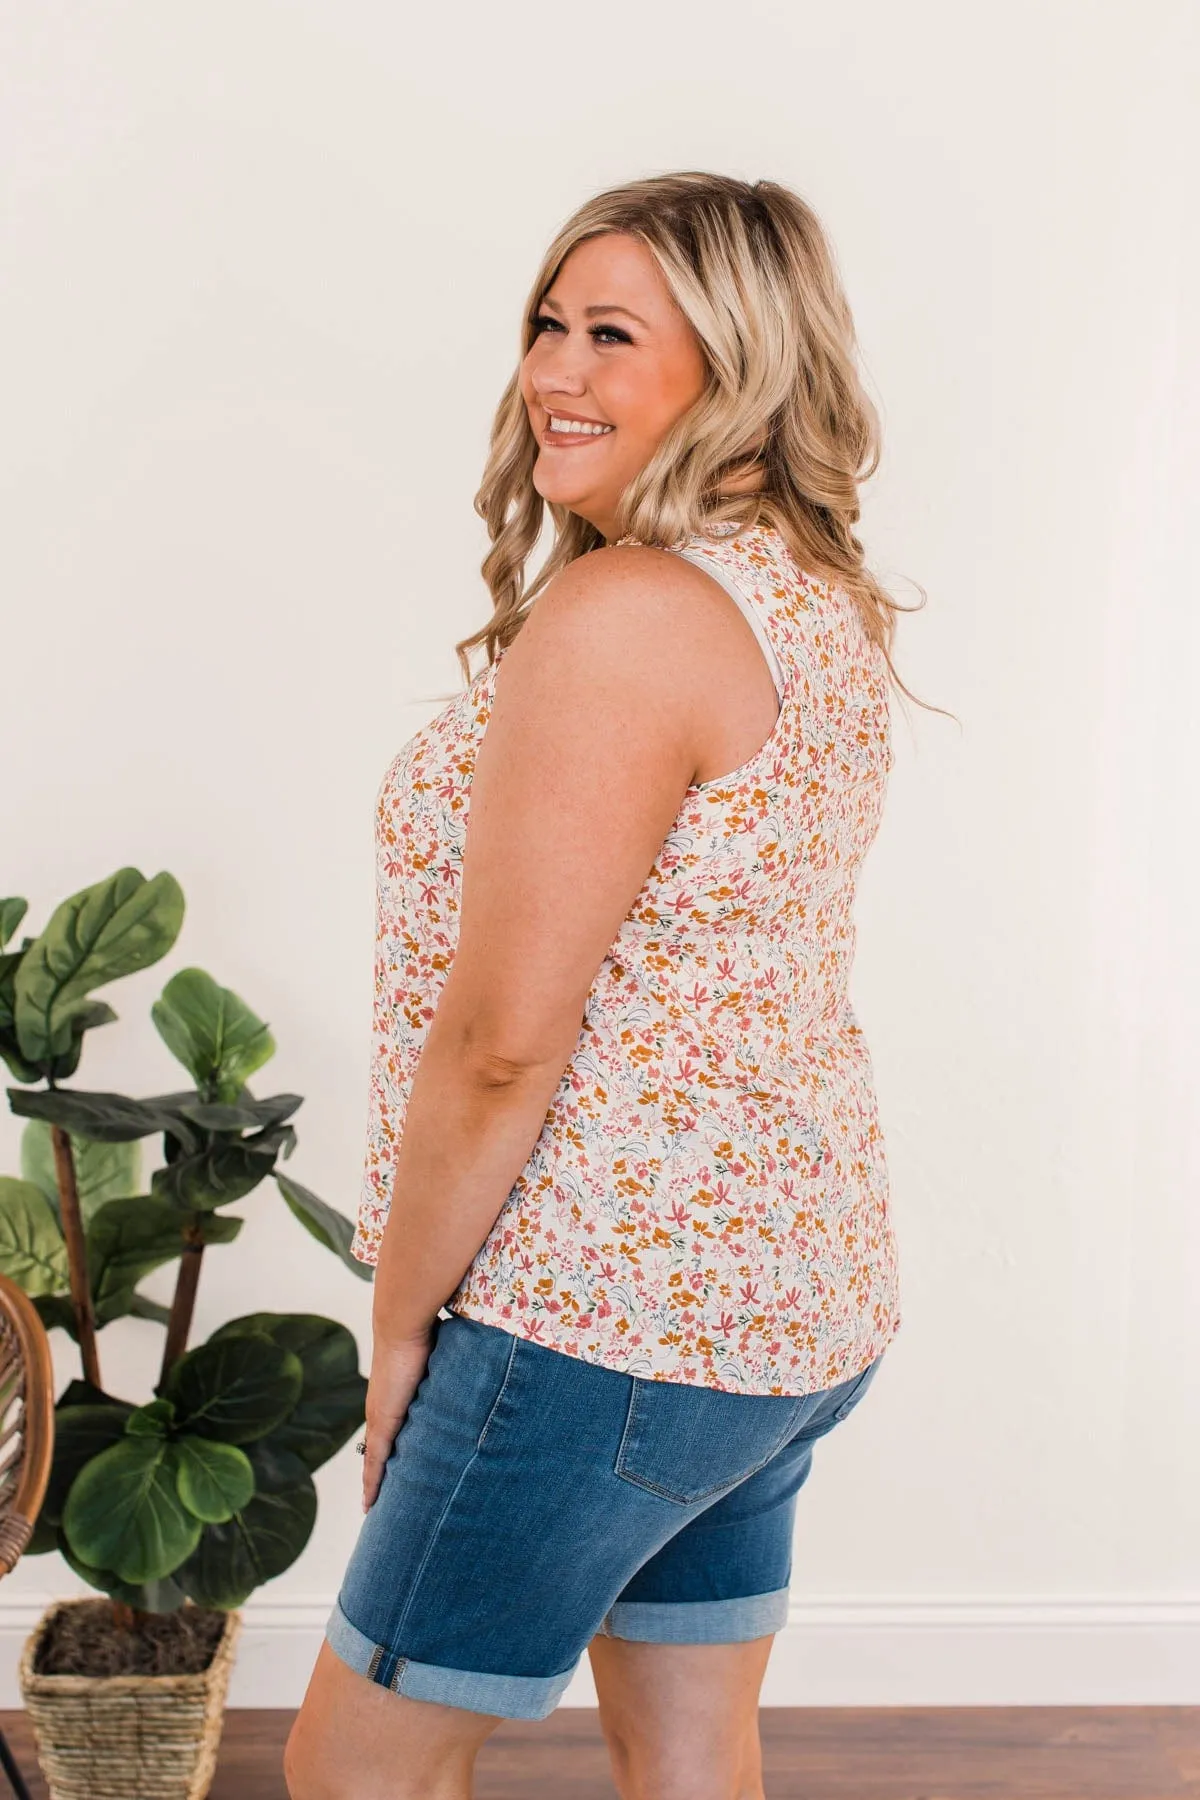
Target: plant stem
point(183, 1301)
point(72, 1222)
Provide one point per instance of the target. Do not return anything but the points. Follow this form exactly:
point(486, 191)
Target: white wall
point(262, 265)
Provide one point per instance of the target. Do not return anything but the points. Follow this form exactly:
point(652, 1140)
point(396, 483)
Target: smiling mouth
point(572, 433)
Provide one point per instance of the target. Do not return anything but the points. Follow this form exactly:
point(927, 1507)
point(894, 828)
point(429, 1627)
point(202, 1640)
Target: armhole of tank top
point(748, 610)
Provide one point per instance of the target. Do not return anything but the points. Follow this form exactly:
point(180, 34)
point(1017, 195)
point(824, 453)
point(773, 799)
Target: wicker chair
point(26, 1442)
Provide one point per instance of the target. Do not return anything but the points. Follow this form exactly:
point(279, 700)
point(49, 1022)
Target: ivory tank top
point(707, 1201)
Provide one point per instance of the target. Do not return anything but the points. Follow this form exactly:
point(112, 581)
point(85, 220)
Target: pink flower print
point(730, 971)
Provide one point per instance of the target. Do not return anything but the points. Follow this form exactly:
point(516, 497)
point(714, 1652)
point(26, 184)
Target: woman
point(623, 1126)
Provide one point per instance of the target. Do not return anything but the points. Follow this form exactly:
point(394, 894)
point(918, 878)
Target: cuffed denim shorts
point(532, 1500)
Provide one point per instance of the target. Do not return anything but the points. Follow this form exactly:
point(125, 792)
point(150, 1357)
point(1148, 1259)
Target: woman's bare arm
point(601, 711)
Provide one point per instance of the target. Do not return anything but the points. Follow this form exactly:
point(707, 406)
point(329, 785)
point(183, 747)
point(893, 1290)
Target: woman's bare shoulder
point(637, 595)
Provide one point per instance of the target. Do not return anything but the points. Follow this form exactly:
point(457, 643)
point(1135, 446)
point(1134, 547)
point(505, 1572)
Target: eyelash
point(544, 319)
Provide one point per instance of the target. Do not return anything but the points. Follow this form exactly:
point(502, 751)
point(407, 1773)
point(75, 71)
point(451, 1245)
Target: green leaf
point(275, 1469)
point(151, 1596)
point(152, 1420)
point(212, 1032)
point(86, 1016)
point(10, 962)
point(18, 1067)
point(330, 1228)
point(113, 928)
point(261, 1540)
point(22, 1067)
point(56, 1310)
point(81, 1431)
point(32, 1252)
point(42, 1539)
point(124, 1512)
point(109, 1118)
point(215, 1480)
point(128, 1238)
point(81, 1392)
point(102, 1171)
point(11, 913)
point(332, 1399)
point(247, 1114)
point(234, 1389)
point(217, 1176)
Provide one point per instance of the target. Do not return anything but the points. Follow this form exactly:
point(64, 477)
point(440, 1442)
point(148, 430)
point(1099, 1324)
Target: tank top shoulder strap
point(719, 553)
point(721, 571)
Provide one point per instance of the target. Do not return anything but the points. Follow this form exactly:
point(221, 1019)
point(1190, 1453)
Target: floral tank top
point(707, 1201)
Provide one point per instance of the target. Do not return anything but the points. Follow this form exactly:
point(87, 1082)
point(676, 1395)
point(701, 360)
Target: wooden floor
point(810, 1753)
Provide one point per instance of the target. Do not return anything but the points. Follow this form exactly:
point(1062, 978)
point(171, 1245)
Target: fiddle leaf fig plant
point(204, 1490)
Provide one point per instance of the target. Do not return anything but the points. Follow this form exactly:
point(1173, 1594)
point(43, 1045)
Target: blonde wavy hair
point(750, 268)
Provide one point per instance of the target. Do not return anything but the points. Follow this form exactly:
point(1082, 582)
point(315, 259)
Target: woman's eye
point(611, 333)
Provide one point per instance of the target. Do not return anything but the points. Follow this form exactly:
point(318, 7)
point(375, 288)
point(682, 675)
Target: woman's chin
point(561, 493)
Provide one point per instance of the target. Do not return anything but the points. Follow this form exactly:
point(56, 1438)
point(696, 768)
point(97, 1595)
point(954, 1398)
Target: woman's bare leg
point(355, 1740)
point(681, 1720)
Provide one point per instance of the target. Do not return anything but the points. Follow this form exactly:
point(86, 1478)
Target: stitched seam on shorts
point(633, 1390)
point(508, 1367)
point(450, 1499)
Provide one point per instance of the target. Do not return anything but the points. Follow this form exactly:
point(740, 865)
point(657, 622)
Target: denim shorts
point(532, 1500)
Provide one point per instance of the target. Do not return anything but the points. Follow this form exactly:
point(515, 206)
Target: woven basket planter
point(113, 1737)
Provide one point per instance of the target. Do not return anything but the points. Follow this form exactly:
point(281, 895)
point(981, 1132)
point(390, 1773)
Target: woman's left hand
point(397, 1366)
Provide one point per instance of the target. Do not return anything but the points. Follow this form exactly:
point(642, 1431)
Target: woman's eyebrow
point(590, 312)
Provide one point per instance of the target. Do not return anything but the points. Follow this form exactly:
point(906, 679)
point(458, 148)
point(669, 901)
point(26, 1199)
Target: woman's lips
point(563, 440)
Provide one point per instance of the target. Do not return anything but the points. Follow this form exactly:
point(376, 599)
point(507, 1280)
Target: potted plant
point(175, 1506)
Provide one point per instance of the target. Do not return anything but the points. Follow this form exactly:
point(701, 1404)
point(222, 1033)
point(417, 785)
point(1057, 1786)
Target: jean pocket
point(689, 1444)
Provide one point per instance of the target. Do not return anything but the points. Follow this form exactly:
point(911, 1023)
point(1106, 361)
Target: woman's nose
point(560, 368)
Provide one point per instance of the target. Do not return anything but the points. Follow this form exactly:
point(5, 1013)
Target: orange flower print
point(707, 1201)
